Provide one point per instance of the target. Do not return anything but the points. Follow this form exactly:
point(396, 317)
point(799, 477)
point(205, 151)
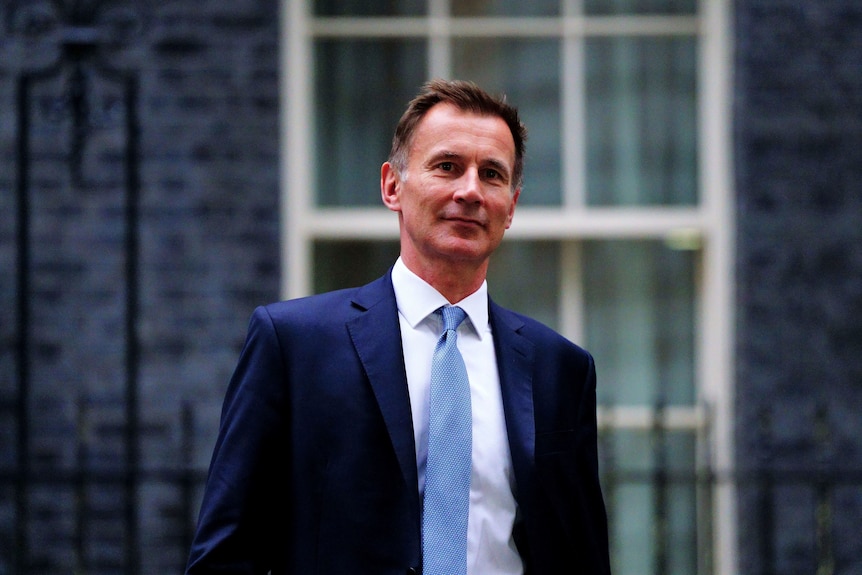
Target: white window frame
point(710, 224)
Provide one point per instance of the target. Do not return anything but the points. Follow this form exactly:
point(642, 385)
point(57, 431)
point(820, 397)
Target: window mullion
point(297, 143)
point(571, 291)
point(573, 114)
point(439, 39)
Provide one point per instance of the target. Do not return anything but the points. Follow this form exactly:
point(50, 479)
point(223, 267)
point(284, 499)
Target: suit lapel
point(374, 332)
point(515, 356)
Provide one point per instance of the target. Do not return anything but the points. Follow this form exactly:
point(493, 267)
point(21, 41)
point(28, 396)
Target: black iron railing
point(63, 45)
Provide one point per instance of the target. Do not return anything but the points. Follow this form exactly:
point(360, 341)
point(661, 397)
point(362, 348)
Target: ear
point(511, 215)
point(390, 187)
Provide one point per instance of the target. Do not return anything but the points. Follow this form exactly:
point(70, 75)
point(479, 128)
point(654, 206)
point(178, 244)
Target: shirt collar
point(417, 299)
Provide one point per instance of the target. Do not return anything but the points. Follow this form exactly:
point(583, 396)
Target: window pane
point(639, 321)
point(524, 277)
point(369, 7)
point(528, 72)
point(349, 263)
point(361, 89)
point(650, 488)
point(641, 121)
point(505, 8)
point(606, 7)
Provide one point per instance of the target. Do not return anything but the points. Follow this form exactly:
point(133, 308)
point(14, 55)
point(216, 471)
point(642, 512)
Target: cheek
point(425, 206)
point(416, 215)
point(504, 209)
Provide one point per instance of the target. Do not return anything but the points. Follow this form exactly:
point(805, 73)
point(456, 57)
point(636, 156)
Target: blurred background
point(692, 214)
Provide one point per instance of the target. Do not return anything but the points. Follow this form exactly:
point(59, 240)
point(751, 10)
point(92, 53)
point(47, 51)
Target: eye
point(492, 174)
point(447, 166)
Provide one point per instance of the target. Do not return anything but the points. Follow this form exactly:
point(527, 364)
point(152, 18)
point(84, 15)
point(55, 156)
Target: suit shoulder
point(315, 309)
point(329, 307)
point(543, 336)
point(311, 302)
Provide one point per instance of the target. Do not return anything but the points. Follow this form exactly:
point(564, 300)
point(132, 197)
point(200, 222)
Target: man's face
point(455, 198)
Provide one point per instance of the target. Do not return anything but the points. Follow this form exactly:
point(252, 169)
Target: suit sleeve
point(592, 499)
point(569, 529)
point(240, 499)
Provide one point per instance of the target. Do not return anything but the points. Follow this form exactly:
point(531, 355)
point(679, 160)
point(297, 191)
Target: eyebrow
point(498, 165)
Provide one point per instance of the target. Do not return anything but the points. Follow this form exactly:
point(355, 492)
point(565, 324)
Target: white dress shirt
point(490, 546)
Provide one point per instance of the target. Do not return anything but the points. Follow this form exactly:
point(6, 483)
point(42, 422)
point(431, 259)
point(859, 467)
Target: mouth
point(463, 220)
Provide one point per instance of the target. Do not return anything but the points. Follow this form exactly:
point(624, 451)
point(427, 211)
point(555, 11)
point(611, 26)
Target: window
point(622, 237)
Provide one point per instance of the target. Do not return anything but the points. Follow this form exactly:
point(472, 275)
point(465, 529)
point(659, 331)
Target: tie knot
point(452, 317)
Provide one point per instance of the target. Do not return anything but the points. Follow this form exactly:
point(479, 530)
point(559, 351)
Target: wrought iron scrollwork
point(81, 41)
point(77, 65)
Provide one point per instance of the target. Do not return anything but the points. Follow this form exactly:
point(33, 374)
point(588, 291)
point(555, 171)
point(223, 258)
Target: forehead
point(446, 126)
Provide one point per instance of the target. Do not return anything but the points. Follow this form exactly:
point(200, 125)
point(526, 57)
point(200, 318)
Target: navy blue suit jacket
point(314, 468)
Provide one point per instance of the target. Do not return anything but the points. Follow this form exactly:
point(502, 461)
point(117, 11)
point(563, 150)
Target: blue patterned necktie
point(447, 472)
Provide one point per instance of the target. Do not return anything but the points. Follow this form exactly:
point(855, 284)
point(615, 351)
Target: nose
point(469, 187)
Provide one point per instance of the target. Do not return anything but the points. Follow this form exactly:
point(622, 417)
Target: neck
point(454, 280)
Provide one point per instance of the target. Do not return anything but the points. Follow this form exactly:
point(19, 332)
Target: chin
point(465, 253)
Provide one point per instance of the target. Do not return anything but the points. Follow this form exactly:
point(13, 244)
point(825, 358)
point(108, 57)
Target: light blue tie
point(447, 472)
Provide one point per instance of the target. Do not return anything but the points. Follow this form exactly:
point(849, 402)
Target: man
point(334, 453)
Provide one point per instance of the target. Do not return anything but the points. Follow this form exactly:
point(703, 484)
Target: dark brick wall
point(798, 148)
point(151, 231)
